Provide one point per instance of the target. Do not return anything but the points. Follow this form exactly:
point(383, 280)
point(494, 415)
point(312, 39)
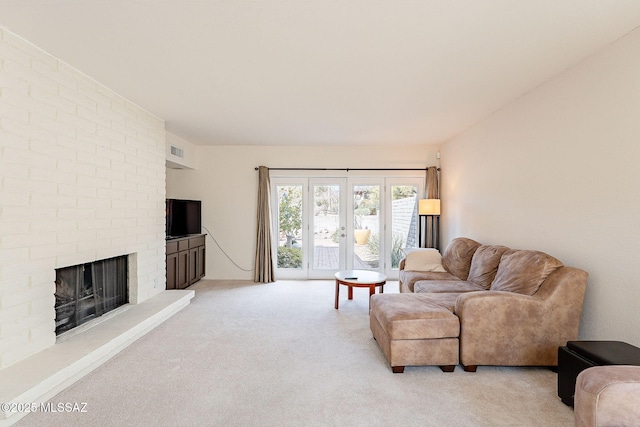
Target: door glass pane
point(327, 231)
point(289, 226)
point(366, 226)
point(403, 220)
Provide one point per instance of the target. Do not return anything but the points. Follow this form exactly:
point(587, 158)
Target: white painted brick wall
point(82, 178)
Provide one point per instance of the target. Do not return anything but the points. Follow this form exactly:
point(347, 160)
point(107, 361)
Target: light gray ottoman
point(413, 330)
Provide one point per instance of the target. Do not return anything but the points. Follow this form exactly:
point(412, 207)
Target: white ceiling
point(286, 72)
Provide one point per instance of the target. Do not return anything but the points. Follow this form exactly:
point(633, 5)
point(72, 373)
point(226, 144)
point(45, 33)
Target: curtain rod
point(348, 169)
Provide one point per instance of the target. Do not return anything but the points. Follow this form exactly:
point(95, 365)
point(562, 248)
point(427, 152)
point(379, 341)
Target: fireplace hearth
point(87, 291)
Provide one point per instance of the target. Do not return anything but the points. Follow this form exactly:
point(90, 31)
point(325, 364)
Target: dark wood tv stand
point(185, 260)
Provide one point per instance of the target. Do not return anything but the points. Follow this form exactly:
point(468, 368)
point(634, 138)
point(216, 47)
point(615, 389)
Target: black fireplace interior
point(87, 291)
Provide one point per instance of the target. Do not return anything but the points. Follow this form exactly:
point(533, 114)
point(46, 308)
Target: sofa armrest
point(510, 329)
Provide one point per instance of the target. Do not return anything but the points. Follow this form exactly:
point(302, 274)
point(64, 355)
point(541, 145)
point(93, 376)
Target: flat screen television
point(184, 217)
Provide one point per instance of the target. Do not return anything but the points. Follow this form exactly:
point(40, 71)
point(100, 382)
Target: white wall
point(557, 170)
point(82, 177)
point(226, 181)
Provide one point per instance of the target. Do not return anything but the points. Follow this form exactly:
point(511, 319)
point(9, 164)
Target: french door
point(328, 228)
point(323, 225)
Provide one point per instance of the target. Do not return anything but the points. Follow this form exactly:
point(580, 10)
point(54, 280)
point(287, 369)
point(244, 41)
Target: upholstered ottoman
point(580, 355)
point(608, 396)
point(413, 330)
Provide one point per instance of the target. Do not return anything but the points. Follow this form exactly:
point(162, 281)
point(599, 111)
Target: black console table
point(580, 355)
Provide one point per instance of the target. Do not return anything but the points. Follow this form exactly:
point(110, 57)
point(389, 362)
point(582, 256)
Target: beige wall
point(226, 181)
point(557, 170)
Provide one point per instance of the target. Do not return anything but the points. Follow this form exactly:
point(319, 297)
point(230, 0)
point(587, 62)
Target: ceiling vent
point(178, 152)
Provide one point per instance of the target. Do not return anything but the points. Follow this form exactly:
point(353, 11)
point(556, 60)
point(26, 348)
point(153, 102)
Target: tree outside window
point(289, 226)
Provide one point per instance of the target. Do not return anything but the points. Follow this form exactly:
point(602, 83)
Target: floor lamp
point(429, 212)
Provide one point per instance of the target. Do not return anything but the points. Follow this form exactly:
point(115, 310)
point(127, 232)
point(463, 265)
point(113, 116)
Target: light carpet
point(244, 354)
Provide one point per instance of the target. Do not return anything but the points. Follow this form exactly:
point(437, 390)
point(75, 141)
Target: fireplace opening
point(87, 291)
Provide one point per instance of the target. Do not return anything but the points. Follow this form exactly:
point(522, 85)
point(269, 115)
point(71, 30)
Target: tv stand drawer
point(194, 242)
point(172, 247)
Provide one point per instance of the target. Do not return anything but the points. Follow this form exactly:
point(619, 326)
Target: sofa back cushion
point(457, 257)
point(484, 265)
point(523, 271)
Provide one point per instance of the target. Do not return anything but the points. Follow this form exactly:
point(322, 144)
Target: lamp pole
point(430, 210)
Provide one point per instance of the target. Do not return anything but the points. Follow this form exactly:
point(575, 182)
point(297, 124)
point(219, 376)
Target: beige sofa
point(608, 396)
point(514, 308)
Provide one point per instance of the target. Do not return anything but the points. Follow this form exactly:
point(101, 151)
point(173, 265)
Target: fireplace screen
point(86, 291)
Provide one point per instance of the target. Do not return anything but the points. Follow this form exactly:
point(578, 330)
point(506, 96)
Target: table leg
point(350, 292)
point(337, 293)
point(372, 290)
point(382, 289)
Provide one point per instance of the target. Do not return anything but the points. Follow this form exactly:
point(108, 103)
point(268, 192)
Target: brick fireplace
point(82, 178)
point(87, 291)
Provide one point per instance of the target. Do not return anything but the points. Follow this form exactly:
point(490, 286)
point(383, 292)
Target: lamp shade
point(429, 207)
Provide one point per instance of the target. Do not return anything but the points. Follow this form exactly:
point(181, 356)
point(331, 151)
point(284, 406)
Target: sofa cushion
point(457, 257)
point(484, 265)
point(440, 286)
point(446, 299)
point(423, 259)
point(409, 278)
point(523, 271)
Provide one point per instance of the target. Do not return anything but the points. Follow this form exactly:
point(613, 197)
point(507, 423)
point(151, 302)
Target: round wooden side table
point(359, 279)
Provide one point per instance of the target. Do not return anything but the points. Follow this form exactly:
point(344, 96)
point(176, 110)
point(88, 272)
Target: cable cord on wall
point(222, 250)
